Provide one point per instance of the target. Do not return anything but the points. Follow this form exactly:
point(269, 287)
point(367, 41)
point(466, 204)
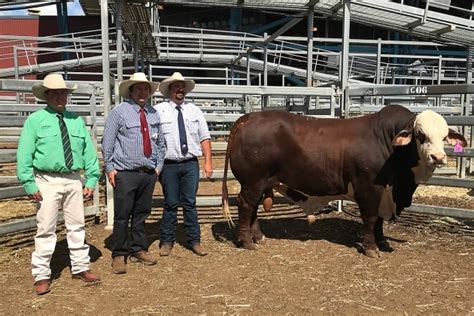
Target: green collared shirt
point(40, 148)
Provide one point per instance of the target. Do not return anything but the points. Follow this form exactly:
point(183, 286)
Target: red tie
point(145, 134)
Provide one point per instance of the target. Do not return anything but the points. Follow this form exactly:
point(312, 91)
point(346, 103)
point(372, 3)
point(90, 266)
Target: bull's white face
point(431, 132)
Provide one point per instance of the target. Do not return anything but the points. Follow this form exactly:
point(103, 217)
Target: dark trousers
point(132, 200)
point(180, 184)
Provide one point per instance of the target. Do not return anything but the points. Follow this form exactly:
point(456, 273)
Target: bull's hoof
point(250, 246)
point(372, 253)
point(260, 240)
point(384, 246)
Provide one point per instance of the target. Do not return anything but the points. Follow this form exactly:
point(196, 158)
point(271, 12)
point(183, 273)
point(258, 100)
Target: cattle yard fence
point(222, 106)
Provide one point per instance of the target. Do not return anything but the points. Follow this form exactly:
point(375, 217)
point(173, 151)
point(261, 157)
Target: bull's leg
point(380, 240)
point(257, 235)
point(369, 209)
point(247, 204)
point(368, 239)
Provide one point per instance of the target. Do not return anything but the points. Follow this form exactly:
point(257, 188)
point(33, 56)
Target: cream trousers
point(59, 191)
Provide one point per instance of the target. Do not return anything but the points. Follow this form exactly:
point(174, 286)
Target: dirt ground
point(301, 269)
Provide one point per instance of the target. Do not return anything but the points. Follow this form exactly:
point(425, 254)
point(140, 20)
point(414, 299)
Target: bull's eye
point(421, 137)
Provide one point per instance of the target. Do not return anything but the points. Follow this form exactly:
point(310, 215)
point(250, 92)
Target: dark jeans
point(132, 200)
point(180, 184)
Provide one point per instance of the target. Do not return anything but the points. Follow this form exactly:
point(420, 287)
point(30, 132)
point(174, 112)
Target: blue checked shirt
point(196, 129)
point(122, 143)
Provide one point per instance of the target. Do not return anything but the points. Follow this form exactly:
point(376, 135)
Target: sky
point(73, 8)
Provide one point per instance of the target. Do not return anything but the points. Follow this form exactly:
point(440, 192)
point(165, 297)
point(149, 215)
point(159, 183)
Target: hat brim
point(124, 87)
point(165, 86)
point(39, 90)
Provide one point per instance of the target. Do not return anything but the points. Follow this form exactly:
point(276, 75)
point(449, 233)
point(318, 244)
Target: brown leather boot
point(119, 265)
point(199, 250)
point(43, 286)
point(143, 257)
point(87, 276)
point(165, 249)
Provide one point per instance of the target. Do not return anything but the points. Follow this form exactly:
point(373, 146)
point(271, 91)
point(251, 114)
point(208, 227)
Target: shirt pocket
point(154, 127)
point(77, 138)
point(193, 126)
point(132, 129)
point(166, 124)
point(47, 136)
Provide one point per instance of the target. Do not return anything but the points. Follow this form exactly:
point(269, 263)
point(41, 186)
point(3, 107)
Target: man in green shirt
point(54, 147)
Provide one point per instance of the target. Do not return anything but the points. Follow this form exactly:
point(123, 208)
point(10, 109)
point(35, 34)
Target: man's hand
point(208, 169)
point(36, 196)
point(88, 193)
point(157, 171)
point(111, 176)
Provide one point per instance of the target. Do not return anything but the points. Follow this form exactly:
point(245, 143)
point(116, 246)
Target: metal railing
point(286, 56)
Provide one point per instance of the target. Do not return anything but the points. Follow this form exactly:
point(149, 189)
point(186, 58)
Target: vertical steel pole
point(378, 72)
point(119, 48)
point(467, 100)
point(309, 56)
point(265, 61)
point(345, 57)
point(16, 65)
point(265, 70)
point(438, 79)
point(104, 19)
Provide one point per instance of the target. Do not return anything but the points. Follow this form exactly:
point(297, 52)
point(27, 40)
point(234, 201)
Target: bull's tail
point(225, 194)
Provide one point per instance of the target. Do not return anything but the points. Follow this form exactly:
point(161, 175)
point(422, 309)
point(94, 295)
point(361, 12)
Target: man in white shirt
point(187, 137)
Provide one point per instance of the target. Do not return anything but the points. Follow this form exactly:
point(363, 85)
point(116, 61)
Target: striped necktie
point(183, 143)
point(66, 142)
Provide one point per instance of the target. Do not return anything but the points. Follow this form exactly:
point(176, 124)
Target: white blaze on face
point(433, 130)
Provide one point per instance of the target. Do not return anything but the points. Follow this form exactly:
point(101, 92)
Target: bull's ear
point(454, 137)
point(403, 138)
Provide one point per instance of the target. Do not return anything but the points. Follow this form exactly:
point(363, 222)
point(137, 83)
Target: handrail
point(176, 42)
point(180, 41)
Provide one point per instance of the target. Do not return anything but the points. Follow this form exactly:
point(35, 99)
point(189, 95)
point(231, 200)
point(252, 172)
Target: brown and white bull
point(376, 160)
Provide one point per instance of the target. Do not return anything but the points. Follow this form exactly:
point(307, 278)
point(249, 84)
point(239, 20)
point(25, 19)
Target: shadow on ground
point(336, 230)
point(152, 231)
point(60, 259)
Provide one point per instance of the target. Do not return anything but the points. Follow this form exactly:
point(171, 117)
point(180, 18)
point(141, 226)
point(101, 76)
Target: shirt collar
point(53, 112)
point(137, 108)
point(174, 105)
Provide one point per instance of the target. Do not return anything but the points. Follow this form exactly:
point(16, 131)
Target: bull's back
point(295, 150)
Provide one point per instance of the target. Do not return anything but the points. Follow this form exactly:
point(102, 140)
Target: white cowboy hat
point(50, 82)
point(165, 84)
point(137, 77)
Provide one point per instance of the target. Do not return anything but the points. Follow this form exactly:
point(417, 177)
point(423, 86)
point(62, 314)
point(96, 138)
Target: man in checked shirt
point(133, 150)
